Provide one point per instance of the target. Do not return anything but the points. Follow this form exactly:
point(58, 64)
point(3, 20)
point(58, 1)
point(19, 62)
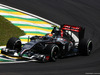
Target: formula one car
point(61, 42)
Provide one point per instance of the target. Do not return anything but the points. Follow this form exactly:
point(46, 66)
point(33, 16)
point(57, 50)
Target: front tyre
point(53, 51)
point(14, 44)
point(85, 47)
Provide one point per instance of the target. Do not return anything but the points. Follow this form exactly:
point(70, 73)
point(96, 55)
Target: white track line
point(13, 62)
point(22, 16)
point(41, 25)
point(34, 30)
point(2, 46)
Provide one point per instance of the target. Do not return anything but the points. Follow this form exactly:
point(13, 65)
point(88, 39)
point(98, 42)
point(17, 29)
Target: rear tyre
point(53, 51)
point(14, 43)
point(85, 47)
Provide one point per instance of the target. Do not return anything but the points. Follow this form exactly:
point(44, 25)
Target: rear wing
point(78, 29)
point(71, 28)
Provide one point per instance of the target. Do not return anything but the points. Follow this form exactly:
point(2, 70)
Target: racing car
point(60, 43)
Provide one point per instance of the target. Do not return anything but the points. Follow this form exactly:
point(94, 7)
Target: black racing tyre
point(14, 43)
point(53, 51)
point(85, 47)
point(68, 47)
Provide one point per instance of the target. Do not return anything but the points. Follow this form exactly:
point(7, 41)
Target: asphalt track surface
point(74, 12)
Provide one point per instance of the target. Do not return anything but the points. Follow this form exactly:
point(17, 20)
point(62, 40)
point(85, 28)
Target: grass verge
point(8, 30)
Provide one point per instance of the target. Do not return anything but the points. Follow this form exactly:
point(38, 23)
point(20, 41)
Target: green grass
point(8, 30)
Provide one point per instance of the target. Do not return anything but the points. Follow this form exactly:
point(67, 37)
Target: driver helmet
point(49, 34)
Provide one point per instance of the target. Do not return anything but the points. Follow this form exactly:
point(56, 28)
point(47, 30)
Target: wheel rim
point(17, 45)
point(54, 53)
point(89, 47)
